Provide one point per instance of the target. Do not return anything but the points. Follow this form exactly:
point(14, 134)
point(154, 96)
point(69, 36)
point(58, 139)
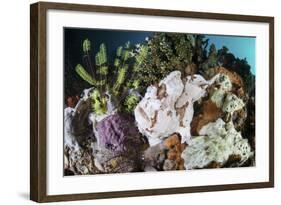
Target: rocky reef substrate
point(181, 123)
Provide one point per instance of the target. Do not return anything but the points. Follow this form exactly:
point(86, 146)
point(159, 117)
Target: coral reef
point(166, 155)
point(112, 83)
point(223, 101)
point(117, 145)
point(173, 102)
point(120, 147)
point(108, 161)
point(79, 160)
point(168, 107)
point(166, 52)
point(78, 139)
point(155, 114)
point(76, 124)
point(217, 143)
point(118, 133)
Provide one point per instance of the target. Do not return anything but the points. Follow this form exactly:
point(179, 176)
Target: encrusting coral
point(218, 141)
point(223, 101)
point(166, 155)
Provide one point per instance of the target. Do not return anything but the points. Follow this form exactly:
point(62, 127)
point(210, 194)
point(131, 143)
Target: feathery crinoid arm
point(121, 68)
point(102, 68)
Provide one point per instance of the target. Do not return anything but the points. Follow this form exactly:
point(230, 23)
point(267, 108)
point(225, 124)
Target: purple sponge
point(118, 133)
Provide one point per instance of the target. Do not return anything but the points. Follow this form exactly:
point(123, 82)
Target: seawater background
point(242, 47)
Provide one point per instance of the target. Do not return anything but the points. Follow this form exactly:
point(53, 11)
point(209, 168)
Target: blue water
point(241, 47)
point(111, 38)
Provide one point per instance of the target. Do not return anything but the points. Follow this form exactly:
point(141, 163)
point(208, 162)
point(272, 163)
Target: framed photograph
point(134, 102)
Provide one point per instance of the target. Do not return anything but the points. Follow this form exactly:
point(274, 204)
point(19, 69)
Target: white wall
point(14, 103)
